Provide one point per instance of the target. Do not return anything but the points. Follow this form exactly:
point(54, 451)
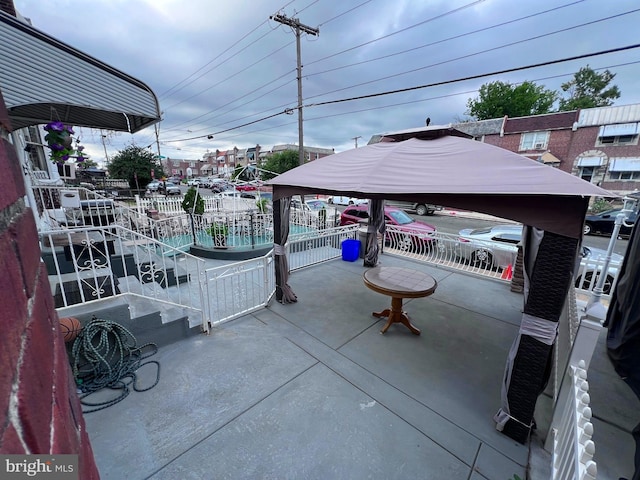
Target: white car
point(341, 200)
point(497, 246)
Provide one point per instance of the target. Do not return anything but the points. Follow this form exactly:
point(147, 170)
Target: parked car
point(153, 185)
point(246, 187)
point(418, 236)
point(342, 200)
point(169, 188)
point(193, 182)
point(604, 222)
point(497, 246)
point(175, 180)
point(419, 208)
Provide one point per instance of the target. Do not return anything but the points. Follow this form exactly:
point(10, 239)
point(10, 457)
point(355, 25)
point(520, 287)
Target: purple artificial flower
point(80, 148)
point(65, 158)
point(56, 147)
point(79, 159)
point(69, 129)
point(55, 126)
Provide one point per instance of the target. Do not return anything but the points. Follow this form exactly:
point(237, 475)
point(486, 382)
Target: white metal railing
point(317, 246)
point(239, 230)
point(239, 288)
point(573, 448)
point(77, 207)
point(95, 263)
point(173, 205)
point(586, 278)
point(446, 250)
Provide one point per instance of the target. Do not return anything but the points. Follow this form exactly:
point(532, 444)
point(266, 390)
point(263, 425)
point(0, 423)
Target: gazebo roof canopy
point(43, 79)
point(453, 171)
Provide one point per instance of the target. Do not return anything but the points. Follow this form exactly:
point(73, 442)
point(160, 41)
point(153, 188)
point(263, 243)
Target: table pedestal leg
point(396, 315)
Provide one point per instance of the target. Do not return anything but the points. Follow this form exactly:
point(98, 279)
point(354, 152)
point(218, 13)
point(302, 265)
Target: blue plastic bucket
point(350, 250)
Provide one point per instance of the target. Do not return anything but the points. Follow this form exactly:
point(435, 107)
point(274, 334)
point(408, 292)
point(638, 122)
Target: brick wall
point(39, 407)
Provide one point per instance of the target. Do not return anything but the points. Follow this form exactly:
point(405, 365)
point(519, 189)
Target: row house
point(223, 162)
point(600, 145)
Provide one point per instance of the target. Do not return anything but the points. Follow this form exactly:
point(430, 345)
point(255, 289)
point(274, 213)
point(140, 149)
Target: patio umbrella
point(623, 324)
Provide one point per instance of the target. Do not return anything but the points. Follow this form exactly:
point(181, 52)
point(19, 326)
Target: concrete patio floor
point(313, 391)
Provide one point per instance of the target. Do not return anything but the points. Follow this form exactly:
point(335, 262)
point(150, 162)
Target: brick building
point(223, 162)
point(600, 145)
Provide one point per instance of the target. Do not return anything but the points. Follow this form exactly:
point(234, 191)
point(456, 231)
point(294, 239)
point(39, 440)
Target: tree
point(193, 202)
point(588, 89)
point(497, 99)
point(280, 163)
point(134, 164)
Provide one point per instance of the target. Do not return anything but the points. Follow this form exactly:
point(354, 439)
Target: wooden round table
point(399, 283)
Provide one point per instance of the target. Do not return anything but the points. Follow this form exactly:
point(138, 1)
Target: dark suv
point(604, 222)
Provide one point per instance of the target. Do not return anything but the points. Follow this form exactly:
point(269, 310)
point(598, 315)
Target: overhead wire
point(253, 64)
point(455, 37)
point(366, 43)
point(429, 85)
point(499, 47)
point(166, 93)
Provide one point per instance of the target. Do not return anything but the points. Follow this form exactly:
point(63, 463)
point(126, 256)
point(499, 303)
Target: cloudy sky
point(216, 65)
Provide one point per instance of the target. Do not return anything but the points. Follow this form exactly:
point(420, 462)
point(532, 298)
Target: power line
point(482, 75)
point(334, 91)
point(455, 37)
point(536, 37)
point(419, 87)
point(400, 31)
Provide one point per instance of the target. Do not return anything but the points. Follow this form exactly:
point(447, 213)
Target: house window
point(586, 173)
point(624, 175)
point(617, 140)
point(618, 134)
point(534, 141)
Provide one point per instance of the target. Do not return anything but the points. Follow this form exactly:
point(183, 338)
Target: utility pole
point(157, 139)
point(298, 29)
point(356, 139)
point(106, 155)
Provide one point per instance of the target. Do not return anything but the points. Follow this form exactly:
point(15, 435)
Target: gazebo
point(441, 165)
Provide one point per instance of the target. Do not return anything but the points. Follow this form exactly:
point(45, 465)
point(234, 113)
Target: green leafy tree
point(280, 163)
point(135, 161)
point(193, 202)
point(588, 89)
point(497, 99)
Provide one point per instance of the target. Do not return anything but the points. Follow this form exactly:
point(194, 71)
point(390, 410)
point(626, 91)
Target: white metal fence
point(173, 205)
point(573, 448)
point(239, 288)
point(95, 263)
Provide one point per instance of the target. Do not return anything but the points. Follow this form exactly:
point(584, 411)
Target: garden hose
point(105, 355)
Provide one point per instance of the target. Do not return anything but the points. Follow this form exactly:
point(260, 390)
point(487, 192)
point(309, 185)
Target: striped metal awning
point(43, 80)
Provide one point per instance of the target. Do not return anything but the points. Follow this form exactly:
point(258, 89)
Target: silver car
point(497, 247)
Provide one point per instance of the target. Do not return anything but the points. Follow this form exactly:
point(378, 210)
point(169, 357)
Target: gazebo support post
point(529, 362)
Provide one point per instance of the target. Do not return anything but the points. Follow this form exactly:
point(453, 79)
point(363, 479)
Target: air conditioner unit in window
point(539, 146)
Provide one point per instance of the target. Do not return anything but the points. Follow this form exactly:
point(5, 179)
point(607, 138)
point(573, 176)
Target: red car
point(246, 187)
point(418, 236)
